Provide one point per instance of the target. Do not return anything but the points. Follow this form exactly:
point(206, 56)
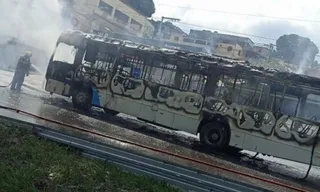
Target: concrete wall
point(233, 51)
point(179, 39)
point(263, 51)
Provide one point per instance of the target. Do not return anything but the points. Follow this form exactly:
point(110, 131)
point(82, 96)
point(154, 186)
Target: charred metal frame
point(186, 62)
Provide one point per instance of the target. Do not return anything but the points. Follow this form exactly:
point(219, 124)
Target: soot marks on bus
point(155, 79)
point(253, 99)
point(149, 91)
point(252, 103)
point(262, 105)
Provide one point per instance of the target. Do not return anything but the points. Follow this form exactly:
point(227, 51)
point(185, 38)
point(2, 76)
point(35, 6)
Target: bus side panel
point(316, 156)
point(146, 112)
point(277, 149)
point(128, 106)
point(186, 123)
point(57, 87)
point(237, 139)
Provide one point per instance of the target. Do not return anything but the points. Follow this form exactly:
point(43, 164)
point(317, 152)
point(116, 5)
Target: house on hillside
point(103, 16)
point(187, 43)
point(233, 51)
point(222, 41)
point(263, 50)
point(203, 34)
point(245, 42)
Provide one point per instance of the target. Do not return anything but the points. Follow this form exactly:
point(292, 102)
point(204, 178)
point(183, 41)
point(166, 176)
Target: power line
point(211, 28)
point(243, 14)
point(233, 32)
point(204, 27)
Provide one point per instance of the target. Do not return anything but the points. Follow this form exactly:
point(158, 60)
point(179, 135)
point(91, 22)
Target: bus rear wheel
point(81, 99)
point(214, 135)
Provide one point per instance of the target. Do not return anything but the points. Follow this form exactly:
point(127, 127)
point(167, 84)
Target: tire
point(111, 112)
point(81, 99)
point(215, 136)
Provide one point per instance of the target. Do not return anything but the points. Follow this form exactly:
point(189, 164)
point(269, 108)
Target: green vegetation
point(32, 164)
point(296, 49)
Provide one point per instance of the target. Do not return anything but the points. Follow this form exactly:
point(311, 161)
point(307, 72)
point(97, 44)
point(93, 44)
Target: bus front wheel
point(214, 135)
point(81, 99)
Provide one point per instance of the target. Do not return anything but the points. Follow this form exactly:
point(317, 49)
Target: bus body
point(227, 103)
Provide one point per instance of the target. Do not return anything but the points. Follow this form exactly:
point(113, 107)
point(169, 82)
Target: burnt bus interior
point(271, 95)
point(91, 59)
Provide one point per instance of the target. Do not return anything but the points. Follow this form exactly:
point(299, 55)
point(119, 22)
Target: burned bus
point(228, 103)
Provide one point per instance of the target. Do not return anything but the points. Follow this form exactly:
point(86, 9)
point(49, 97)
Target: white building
point(113, 15)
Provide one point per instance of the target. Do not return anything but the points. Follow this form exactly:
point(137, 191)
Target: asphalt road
point(33, 100)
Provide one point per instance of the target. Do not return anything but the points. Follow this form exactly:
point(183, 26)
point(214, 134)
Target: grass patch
point(28, 163)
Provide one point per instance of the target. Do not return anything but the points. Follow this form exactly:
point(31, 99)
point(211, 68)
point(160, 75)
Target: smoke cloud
point(36, 23)
point(305, 61)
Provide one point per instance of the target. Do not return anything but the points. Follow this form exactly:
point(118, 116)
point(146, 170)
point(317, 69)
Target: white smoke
point(36, 23)
point(305, 62)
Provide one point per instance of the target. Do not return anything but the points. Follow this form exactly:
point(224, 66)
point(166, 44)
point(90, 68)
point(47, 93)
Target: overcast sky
point(260, 26)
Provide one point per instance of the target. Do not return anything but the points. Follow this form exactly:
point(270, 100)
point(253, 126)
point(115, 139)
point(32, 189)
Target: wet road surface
point(126, 127)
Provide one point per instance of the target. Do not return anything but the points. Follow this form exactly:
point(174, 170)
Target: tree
point(296, 49)
point(144, 7)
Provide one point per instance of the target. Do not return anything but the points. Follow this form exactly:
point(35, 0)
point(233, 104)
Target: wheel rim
point(214, 136)
point(81, 97)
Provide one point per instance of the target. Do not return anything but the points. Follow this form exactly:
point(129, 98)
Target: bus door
point(61, 68)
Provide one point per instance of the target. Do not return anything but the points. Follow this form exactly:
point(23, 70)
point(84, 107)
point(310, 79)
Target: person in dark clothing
point(21, 71)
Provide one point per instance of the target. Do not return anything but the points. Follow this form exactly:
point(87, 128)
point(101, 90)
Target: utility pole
point(161, 23)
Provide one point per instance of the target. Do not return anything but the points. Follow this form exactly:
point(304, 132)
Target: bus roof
point(194, 61)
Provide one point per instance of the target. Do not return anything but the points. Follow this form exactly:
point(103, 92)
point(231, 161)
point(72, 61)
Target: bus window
point(307, 108)
point(223, 87)
point(285, 99)
point(185, 81)
point(104, 61)
point(253, 91)
point(65, 53)
point(311, 108)
point(193, 82)
point(131, 66)
point(197, 83)
point(163, 73)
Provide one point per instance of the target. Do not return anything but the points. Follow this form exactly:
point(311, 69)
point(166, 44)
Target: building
point(245, 42)
point(166, 28)
point(263, 50)
point(233, 51)
point(102, 16)
point(216, 39)
point(203, 35)
point(185, 42)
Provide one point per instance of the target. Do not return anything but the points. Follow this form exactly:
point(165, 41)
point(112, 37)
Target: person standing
point(22, 70)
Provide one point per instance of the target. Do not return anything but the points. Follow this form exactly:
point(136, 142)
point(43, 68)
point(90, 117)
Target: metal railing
point(176, 175)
